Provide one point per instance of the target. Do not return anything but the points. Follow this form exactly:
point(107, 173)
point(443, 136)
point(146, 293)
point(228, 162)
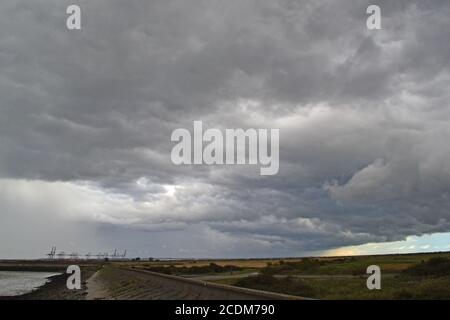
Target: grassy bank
point(403, 277)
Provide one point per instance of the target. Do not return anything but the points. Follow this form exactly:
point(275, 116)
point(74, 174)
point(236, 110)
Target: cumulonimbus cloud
point(86, 118)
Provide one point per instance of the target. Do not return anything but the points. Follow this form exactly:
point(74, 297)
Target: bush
point(433, 267)
point(304, 266)
point(286, 285)
point(211, 268)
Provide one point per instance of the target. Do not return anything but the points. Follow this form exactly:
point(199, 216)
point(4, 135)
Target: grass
point(330, 265)
point(393, 287)
point(436, 266)
point(242, 263)
point(412, 276)
point(212, 268)
point(349, 265)
point(288, 285)
point(404, 276)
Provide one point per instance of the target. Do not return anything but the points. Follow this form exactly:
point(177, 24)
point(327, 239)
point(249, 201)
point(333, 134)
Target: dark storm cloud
point(86, 116)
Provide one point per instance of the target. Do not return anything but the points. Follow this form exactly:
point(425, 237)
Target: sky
point(86, 118)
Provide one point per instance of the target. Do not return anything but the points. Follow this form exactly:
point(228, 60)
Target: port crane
point(52, 253)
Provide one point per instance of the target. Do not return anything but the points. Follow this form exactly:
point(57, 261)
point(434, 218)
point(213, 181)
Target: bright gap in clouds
point(426, 243)
point(170, 190)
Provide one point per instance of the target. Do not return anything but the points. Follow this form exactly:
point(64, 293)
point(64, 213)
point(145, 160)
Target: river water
point(13, 283)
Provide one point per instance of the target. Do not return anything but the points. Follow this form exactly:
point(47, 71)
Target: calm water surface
point(13, 283)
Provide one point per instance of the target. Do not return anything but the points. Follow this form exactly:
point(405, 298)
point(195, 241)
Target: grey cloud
point(363, 119)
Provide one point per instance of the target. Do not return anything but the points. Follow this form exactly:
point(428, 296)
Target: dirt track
point(131, 284)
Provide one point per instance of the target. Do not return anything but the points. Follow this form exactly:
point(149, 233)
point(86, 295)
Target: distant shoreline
point(36, 268)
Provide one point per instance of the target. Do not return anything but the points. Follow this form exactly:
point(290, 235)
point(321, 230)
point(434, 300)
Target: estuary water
point(14, 283)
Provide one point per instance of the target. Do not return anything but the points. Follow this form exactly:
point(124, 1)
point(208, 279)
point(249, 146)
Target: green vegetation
point(349, 265)
point(404, 276)
point(434, 267)
point(304, 266)
point(285, 285)
point(212, 268)
point(393, 287)
point(411, 276)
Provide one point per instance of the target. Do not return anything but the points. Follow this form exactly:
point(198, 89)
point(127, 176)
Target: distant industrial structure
point(52, 255)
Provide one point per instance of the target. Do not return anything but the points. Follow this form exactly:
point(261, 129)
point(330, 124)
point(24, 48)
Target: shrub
point(211, 268)
point(287, 285)
point(433, 267)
